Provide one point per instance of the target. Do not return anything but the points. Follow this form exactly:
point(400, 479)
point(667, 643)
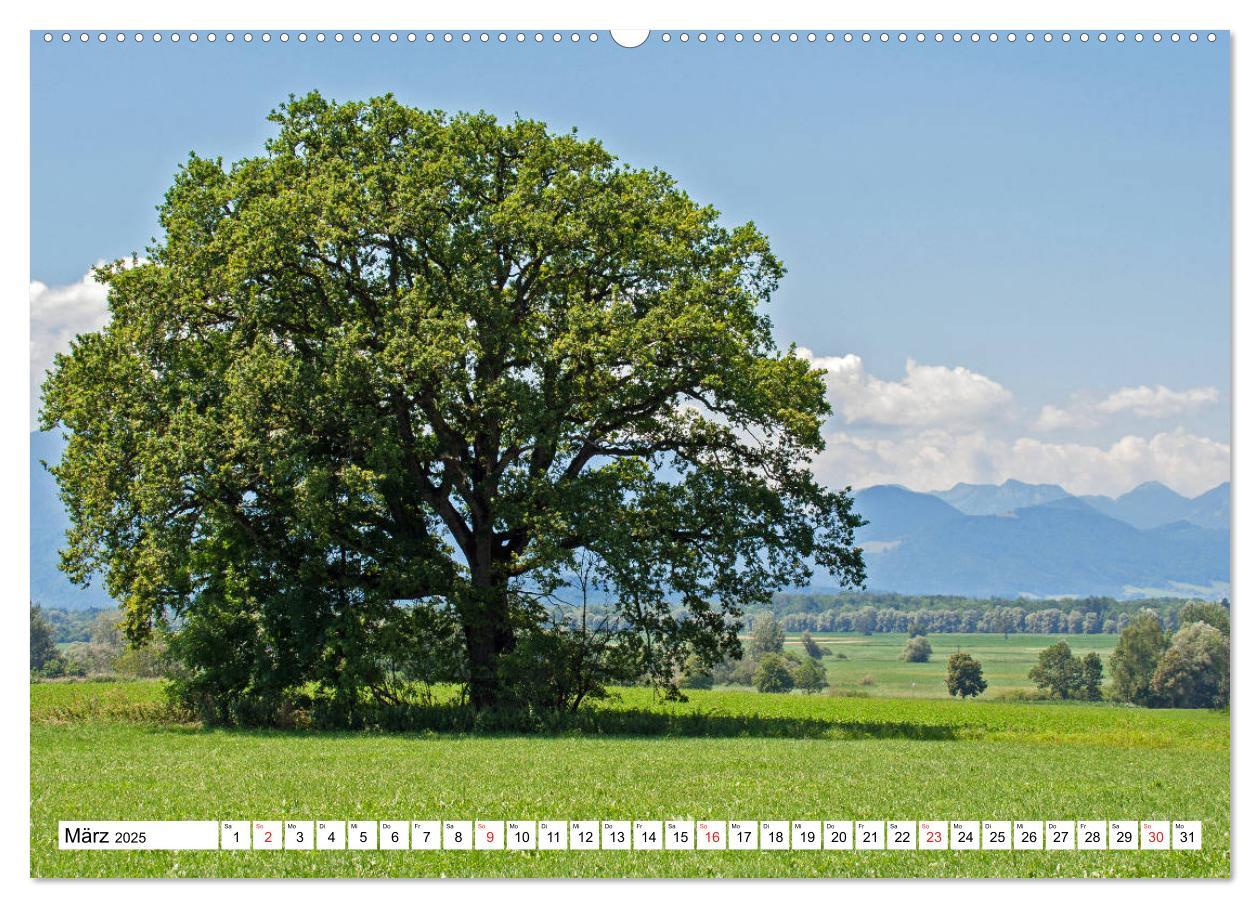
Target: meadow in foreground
point(104, 751)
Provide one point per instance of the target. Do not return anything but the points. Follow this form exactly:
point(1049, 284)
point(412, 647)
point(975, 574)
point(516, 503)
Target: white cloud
point(926, 396)
point(58, 314)
point(940, 425)
point(1142, 401)
point(923, 460)
point(934, 459)
point(1189, 463)
point(1158, 402)
point(1055, 419)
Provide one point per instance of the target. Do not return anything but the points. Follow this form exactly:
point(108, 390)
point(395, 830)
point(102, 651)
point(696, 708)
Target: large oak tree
point(407, 368)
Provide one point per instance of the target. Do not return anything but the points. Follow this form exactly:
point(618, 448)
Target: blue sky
point(1013, 258)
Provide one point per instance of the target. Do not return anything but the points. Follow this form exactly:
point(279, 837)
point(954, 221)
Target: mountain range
point(1018, 539)
point(49, 587)
point(1013, 539)
point(1150, 505)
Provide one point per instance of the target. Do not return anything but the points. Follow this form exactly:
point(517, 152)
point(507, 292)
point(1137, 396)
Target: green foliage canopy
point(1058, 671)
point(812, 647)
point(1091, 677)
point(1194, 671)
point(1212, 613)
point(1134, 659)
point(1068, 677)
point(810, 676)
point(773, 674)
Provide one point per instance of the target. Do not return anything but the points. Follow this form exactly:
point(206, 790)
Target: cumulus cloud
point(1142, 401)
point(926, 396)
point(934, 459)
point(1158, 402)
point(1056, 419)
point(58, 314)
point(923, 460)
point(940, 425)
point(1189, 463)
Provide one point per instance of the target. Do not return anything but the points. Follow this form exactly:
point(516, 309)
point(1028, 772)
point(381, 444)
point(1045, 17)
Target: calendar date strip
point(632, 835)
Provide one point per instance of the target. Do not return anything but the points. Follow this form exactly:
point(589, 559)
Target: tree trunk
point(488, 635)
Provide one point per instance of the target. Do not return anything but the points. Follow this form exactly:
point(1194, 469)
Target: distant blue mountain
point(1153, 504)
point(1147, 506)
point(894, 512)
point(993, 499)
point(1211, 509)
point(49, 587)
point(1062, 548)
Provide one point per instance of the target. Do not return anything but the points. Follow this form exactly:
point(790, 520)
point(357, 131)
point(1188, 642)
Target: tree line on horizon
point(861, 613)
point(893, 613)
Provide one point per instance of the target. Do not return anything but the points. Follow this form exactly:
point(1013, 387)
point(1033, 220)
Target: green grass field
point(1006, 661)
point(109, 751)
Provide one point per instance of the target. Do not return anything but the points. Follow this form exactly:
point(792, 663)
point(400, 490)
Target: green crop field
point(1006, 661)
point(110, 751)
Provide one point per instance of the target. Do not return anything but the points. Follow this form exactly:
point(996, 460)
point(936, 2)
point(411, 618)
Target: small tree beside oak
point(810, 676)
point(965, 677)
point(1068, 677)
